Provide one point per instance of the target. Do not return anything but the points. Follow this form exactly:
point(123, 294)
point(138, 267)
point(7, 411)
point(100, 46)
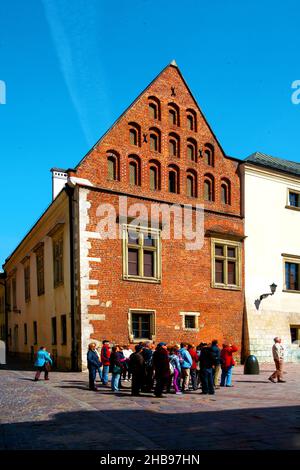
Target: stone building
point(272, 255)
point(68, 283)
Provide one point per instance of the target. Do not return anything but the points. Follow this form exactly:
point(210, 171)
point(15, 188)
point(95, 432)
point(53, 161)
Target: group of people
point(162, 368)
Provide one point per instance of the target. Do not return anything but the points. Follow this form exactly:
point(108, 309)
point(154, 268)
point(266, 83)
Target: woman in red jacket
point(227, 363)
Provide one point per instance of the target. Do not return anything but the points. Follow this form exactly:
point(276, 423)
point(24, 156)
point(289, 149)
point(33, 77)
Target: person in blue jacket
point(186, 365)
point(42, 363)
point(93, 363)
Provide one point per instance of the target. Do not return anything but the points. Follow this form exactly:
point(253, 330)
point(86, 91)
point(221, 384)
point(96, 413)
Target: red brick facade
point(186, 275)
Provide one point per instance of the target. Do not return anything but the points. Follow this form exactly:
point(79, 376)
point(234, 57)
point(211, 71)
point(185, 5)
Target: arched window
point(192, 150)
point(209, 189)
point(191, 183)
point(208, 154)
point(155, 140)
point(174, 179)
point(154, 107)
point(174, 145)
point(113, 161)
point(225, 191)
point(174, 114)
point(191, 118)
point(134, 170)
point(134, 134)
point(154, 175)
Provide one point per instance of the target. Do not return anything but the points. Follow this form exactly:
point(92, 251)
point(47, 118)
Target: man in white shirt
point(278, 356)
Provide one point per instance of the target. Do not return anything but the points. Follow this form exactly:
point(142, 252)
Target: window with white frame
point(190, 320)
point(141, 253)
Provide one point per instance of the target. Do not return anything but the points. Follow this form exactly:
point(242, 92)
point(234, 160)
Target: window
point(35, 333)
point(40, 271)
point(155, 140)
point(295, 334)
point(191, 120)
point(25, 334)
point(192, 150)
point(154, 175)
point(209, 190)
point(226, 264)
point(225, 191)
point(292, 273)
point(58, 260)
point(142, 324)
point(190, 320)
point(209, 154)
point(113, 167)
point(134, 134)
point(134, 170)
point(27, 281)
point(174, 145)
point(63, 326)
point(141, 253)
point(14, 292)
point(154, 108)
point(191, 184)
point(293, 199)
point(173, 114)
point(8, 295)
point(173, 179)
point(54, 330)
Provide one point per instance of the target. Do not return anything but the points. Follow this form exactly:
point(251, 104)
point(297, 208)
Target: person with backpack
point(217, 354)
point(42, 363)
point(116, 359)
point(147, 353)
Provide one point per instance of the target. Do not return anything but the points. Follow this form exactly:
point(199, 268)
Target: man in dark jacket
point(147, 353)
point(207, 362)
point(137, 368)
point(217, 355)
point(93, 365)
point(161, 365)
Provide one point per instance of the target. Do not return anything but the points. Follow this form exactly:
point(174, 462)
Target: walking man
point(278, 356)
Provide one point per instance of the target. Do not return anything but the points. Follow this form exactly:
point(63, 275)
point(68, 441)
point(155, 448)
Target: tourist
point(195, 359)
point(93, 365)
point(99, 370)
point(207, 362)
point(278, 356)
point(228, 363)
point(217, 355)
point(116, 359)
point(105, 355)
point(175, 363)
point(185, 366)
point(126, 370)
point(42, 363)
point(161, 368)
point(148, 358)
point(137, 368)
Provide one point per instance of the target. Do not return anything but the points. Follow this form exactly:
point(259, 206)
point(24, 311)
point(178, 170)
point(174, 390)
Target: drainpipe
point(74, 333)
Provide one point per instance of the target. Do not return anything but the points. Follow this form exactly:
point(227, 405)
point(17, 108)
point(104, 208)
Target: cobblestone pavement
point(63, 414)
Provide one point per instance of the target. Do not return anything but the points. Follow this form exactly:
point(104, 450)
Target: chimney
point(59, 180)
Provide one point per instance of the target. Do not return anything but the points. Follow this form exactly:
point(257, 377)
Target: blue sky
point(71, 68)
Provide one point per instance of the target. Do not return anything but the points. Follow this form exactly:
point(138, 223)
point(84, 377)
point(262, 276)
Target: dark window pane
point(153, 111)
point(207, 191)
point(172, 182)
point(148, 239)
point(231, 273)
point(292, 276)
point(190, 321)
point(54, 331)
point(63, 329)
point(219, 250)
point(133, 237)
point(219, 268)
point(294, 199)
point(224, 197)
point(141, 325)
point(153, 178)
point(133, 137)
point(133, 173)
point(148, 264)
point(231, 252)
point(133, 262)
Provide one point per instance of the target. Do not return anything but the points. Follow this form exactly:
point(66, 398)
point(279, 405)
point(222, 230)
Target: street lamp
point(273, 290)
